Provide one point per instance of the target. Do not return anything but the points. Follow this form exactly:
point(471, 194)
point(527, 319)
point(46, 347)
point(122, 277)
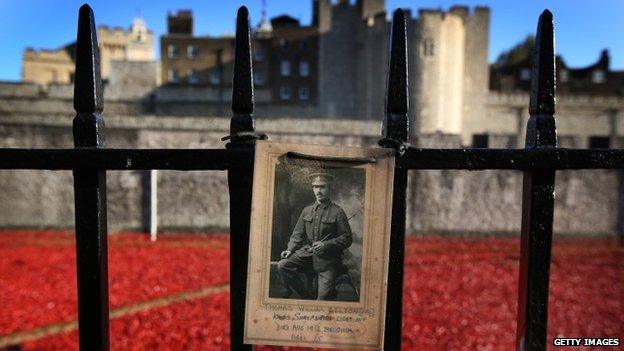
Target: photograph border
point(268, 229)
point(373, 276)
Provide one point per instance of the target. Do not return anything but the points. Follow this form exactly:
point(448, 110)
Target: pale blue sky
point(583, 28)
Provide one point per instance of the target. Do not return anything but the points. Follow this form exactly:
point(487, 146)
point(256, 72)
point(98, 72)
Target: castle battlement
point(462, 11)
point(118, 31)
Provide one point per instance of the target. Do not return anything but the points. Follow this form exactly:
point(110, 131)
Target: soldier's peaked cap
point(321, 178)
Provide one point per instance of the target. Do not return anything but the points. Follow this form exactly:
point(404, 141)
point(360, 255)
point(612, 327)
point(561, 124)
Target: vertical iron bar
point(395, 130)
point(90, 192)
point(240, 179)
point(538, 198)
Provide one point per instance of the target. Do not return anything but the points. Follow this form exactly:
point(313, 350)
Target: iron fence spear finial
point(242, 129)
point(396, 100)
point(88, 84)
point(242, 87)
point(88, 93)
point(395, 127)
point(541, 128)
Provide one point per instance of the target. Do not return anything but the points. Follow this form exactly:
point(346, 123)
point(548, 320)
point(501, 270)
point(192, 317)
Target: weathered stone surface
point(438, 201)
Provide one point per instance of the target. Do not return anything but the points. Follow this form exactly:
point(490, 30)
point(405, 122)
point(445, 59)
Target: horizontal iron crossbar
point(125, 159)
point(223, 159)
point(523, 159)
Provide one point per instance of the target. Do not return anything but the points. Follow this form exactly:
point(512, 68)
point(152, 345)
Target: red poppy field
point(460, 293)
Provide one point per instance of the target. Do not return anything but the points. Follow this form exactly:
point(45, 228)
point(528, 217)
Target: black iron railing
point(90, 160)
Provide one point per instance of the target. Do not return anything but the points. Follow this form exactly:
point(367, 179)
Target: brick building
point(285, 58)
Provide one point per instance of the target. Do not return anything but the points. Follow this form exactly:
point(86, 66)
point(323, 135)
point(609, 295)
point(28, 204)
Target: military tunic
point(326, 223)
point(320, 222)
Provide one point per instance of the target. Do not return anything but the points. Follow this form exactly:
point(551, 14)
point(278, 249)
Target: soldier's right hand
point(285, 254)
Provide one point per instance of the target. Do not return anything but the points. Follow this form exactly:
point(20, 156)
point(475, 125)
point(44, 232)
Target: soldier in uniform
point(320, 236)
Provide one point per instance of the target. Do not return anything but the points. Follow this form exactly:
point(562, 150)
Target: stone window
point(192, 51)
point(285, 68)
point(259, 78)
point(214, 76)
point(173, 51)
point(193, 76)
point(303, 45)
point(304, 69)
point(525, 74)
point(563, 75)
point(304, 93)
point(598, 76)
point(173, 76)
point(284, 44)
point(428, 47)
point(599, 142)
point(480, 141)
point(285, 93)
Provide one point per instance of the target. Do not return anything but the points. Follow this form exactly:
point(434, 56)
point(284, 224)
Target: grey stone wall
point(438, 201)
point(122, 98)
point(131, 80)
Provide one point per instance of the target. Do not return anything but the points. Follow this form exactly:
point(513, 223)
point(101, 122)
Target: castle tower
point(338, 50)
point(140, 42)
point(449, 72)
point(476, 68)
point(118, 44)
point(371, 59)
point(353, 49)
point(439, 72)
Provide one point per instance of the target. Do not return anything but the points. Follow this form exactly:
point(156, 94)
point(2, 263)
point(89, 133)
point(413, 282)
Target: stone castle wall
point(577, 117)
point(133, 90)
point(438, 201)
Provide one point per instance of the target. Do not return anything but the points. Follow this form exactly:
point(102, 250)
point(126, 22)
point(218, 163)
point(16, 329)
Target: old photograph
point(316, 240)
point(319, 239)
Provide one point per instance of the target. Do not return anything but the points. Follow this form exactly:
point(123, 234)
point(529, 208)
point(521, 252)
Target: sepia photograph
point(319, 245)
point(316, 241)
